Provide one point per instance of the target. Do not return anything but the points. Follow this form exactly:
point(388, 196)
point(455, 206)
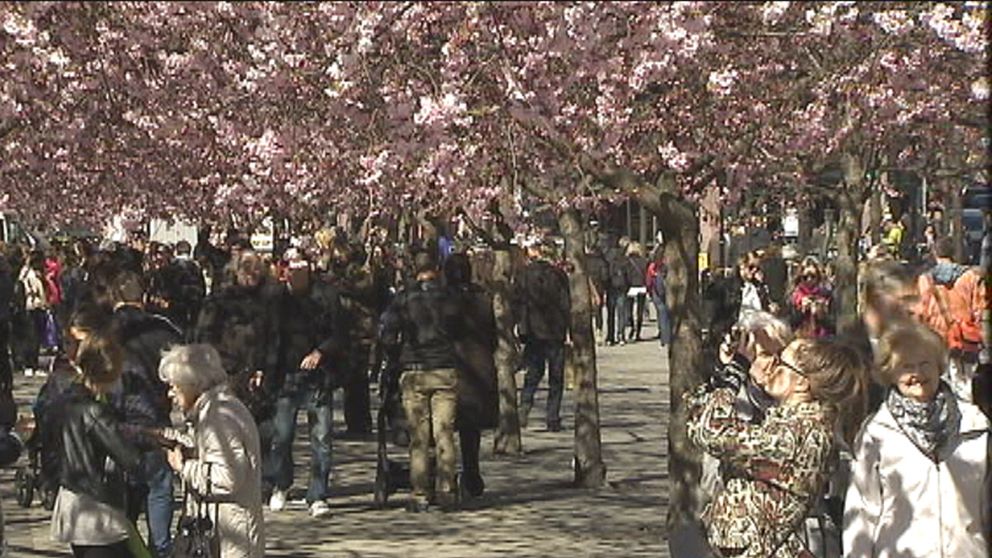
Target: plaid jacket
point(778, 469)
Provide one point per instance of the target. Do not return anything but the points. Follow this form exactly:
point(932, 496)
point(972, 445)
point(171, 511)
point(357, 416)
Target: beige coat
point(228, 450)
point(901, 503)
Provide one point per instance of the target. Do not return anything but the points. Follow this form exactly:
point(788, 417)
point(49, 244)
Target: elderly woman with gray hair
point(227, 467)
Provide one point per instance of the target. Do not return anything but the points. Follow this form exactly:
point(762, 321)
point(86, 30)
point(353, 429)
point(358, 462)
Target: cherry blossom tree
point(214, 110)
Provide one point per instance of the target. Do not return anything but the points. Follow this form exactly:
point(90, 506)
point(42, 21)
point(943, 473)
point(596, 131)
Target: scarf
point(928, 425)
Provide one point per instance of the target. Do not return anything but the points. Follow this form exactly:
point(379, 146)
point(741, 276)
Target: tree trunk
point(680, 225)
point(957, 220)
point(875, 215)
point(846, 263)
point(590, 471)
point(507, 441)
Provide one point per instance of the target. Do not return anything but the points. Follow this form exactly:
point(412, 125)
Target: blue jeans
point(664, 321)
point(158, 477)
point(539, 353)
point(317, 402)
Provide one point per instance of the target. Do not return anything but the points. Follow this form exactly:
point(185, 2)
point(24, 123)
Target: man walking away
point(545, 308)
point(474, 336)
point(415, 323)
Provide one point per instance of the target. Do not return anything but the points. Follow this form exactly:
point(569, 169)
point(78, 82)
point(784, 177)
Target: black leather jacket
point(89, 436)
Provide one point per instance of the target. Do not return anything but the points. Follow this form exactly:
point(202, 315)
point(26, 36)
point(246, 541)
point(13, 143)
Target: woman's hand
point(727, 349)
point(175, 457)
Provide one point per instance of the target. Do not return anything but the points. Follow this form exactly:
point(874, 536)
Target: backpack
point(964, 329)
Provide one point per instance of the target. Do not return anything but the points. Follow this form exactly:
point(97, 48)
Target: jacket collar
point(973, 421)
point(203, 402)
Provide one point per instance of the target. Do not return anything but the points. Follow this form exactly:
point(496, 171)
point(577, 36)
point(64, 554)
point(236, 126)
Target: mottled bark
point(957, 219)
point(875, 215)
point(679, 222)
point(507, 355)
point(846, 263)
point(507, 439)
point(590, 471)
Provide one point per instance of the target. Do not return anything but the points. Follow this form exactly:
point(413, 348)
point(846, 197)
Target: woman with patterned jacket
point(781, 464)
point(921, 481)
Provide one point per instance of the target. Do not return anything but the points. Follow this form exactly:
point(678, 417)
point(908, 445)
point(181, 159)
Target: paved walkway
point(529, 510)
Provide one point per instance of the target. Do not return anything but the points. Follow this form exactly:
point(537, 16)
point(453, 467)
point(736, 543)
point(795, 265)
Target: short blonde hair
point(196, 367)
point(901, 336)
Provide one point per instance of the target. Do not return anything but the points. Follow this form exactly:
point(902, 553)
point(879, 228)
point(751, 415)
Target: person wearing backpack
point(952, 299)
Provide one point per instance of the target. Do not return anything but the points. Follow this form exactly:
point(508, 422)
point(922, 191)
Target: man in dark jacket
point(144, 400)
point(237, 321)
point(475, 337)
point(176, 286)
point(545, 312)
point(308, 330)
point(362, 302)
point(417, 325)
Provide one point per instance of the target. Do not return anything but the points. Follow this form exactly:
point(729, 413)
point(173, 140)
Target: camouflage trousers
point(430, 399)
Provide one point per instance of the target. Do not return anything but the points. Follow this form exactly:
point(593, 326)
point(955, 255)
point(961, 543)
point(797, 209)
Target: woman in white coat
point(921, 479)
point(227, 467)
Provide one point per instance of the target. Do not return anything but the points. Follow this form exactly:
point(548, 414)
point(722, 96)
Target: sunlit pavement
point(528, 509)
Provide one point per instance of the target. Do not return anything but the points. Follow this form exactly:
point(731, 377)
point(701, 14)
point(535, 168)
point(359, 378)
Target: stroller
point(391, 476)
point(42, 471)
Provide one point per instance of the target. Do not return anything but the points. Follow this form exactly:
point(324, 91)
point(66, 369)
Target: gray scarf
point(927, 425)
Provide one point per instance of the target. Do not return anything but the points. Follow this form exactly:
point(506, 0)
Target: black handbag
point(196, 533)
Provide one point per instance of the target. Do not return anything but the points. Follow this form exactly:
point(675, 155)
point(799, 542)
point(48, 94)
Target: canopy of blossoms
point(207, 110)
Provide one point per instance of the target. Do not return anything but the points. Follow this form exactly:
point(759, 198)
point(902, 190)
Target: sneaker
point(320, 509)
point(278, 500)
point(554, 427)
point(29, 372)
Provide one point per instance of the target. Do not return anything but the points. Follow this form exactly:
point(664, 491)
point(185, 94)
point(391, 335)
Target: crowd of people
point(187, 367)
point(873, 441)
point(238, 343)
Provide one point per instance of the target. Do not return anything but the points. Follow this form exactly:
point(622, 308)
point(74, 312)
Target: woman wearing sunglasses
point(811, 303)
point(781, 464)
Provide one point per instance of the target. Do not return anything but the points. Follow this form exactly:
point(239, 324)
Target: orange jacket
point(962, 291)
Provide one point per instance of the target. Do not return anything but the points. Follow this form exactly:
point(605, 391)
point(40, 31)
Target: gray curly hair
point(196, 367)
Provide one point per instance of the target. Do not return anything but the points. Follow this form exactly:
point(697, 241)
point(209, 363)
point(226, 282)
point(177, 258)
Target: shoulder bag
point(196, 533)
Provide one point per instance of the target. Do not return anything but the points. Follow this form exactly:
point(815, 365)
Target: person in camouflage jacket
point(779, 467)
